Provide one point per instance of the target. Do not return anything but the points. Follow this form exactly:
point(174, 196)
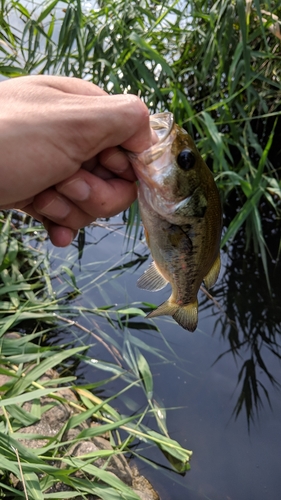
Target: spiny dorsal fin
point(152, 279)
point(213, 274)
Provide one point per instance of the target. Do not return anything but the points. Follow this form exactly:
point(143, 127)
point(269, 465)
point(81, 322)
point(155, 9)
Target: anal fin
point(152, 279)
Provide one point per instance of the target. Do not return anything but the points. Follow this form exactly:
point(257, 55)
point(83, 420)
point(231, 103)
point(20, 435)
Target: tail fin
point(186, 316)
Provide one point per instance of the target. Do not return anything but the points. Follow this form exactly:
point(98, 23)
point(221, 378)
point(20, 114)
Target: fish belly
point(172, 249)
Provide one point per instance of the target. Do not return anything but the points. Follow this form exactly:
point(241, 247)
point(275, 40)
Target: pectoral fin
point(186, 316)
point(152, 279)
point(213, 274)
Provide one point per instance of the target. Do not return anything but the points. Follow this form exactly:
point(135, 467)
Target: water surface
point(233, 458)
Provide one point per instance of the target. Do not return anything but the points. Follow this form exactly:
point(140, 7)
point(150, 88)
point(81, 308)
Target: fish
point(182, 217)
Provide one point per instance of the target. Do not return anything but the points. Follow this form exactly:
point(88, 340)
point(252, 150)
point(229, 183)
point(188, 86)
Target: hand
point(60, 160)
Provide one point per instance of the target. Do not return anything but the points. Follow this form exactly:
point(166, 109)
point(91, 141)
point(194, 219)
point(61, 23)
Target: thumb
point(100, 120)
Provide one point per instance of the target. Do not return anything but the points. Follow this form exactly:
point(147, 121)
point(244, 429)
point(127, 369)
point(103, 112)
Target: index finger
point(94, 123)
point(123, 110)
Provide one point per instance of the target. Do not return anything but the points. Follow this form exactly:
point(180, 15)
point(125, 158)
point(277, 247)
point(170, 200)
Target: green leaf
point(240, 218)
point(24, 418)
point(102, 429)
point(49, 8)
point(131, 311)
point(4, 238)
point(145, 374)
point(264, 156)
point(103, 475)
point(153, 54)
point(37, 372)
point(33, 486)
point(21, 8)
point(70, 273)
point(12, 71)
point(27, 396)
point(8, 444)
point(176, 455)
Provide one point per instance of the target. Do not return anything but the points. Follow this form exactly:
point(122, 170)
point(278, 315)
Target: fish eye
point(186, 159)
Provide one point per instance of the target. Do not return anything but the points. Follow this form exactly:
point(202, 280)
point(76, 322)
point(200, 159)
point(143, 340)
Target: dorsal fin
point(152, 279)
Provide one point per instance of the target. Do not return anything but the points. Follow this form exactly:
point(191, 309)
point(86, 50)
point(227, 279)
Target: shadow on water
point(251, 319)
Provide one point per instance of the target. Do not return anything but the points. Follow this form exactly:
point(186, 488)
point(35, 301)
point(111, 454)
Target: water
point(233, 458)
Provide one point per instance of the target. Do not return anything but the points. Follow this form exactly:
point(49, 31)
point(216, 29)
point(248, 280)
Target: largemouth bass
point(182, 217)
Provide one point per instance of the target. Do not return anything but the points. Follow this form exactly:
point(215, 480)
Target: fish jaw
point(155, 164)
point(158, 156)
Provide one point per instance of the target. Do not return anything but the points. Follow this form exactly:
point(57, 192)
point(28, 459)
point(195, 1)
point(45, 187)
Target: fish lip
point(164, 126)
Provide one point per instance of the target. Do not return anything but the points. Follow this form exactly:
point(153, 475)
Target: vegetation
point(36, 305)
point(216, 66)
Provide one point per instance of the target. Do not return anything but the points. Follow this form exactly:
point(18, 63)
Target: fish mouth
point(162, 124)
point(159, 156)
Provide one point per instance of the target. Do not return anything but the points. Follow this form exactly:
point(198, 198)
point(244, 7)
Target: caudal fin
point(186, 316)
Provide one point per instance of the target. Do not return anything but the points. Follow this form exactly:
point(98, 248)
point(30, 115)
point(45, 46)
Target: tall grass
point(216, 66)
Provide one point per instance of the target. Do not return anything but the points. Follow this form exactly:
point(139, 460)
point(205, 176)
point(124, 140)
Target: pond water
point(234, 353)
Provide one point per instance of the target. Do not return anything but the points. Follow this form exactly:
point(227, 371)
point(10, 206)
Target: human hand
point(60, 160)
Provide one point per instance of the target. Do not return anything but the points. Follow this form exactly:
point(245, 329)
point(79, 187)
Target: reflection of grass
point(30, 307)
point(251, 321)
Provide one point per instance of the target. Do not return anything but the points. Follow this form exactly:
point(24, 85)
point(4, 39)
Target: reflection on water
point(251, 321)
point(235, 345)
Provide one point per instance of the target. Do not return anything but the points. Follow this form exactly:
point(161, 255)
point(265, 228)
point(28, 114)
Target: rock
point(142, 486)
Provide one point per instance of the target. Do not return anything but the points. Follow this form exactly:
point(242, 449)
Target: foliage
point(215, 65)
point(35, 306)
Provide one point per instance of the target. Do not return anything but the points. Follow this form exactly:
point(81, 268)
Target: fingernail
point(77, 190)
point(57, 209)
